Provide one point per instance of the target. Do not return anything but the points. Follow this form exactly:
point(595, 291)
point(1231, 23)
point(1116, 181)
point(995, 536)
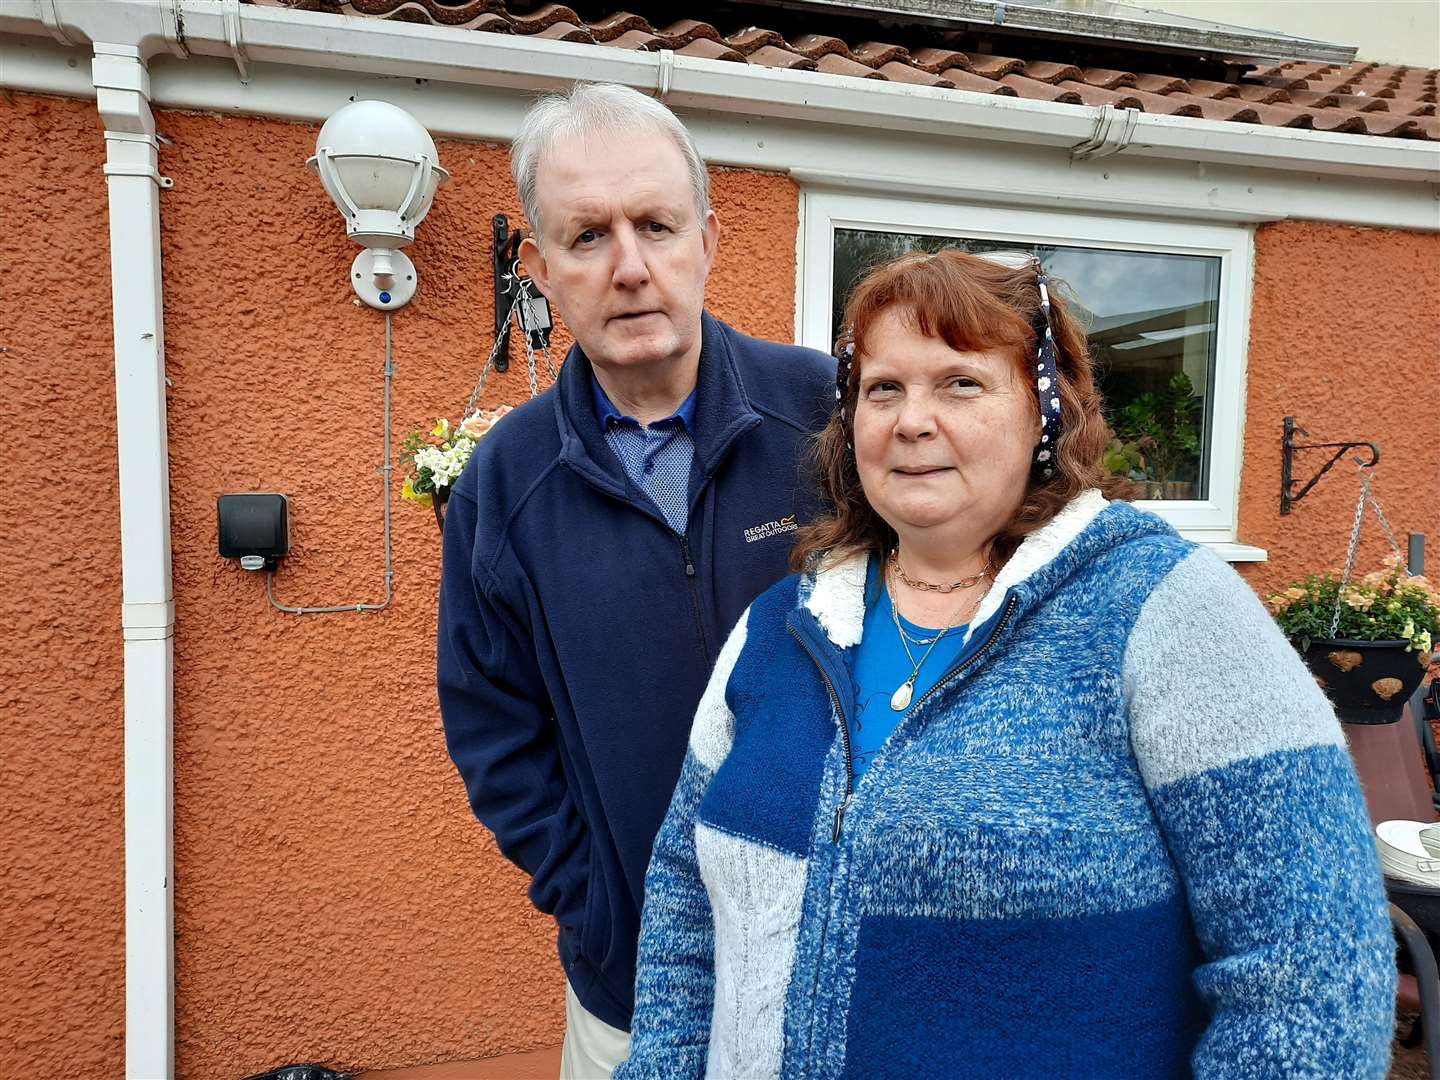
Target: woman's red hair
point(973, 304)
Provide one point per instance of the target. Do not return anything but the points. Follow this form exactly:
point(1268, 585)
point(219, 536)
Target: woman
point(1012, 781)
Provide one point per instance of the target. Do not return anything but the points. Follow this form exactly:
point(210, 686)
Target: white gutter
point(251, 35)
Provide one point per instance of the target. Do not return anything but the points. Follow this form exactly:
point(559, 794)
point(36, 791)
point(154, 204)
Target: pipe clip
point(114, 168)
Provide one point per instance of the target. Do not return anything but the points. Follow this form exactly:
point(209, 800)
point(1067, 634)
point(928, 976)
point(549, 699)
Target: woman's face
point(943, 439)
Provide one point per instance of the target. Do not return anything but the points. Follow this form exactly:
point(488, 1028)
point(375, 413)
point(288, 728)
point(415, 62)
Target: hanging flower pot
point(1367, 642)
point(1368, 682)
point(437, 458)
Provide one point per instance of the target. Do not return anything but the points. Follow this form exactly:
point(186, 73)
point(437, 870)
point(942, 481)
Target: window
point(1164, 305)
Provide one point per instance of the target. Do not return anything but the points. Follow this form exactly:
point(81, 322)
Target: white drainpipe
point(122, 86)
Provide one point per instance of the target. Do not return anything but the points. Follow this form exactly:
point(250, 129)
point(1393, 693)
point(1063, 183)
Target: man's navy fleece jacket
point(577, 630)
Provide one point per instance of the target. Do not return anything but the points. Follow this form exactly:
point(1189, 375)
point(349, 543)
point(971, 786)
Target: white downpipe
point(122, 90)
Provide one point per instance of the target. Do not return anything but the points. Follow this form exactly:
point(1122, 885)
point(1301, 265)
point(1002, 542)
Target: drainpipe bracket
point(665, 74)
point(124, 169)
point(234, 37)
point(1114, 129)
point(174, 28)
point(50, 16)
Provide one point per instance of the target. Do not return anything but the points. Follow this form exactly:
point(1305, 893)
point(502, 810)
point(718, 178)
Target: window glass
point(1151, 324)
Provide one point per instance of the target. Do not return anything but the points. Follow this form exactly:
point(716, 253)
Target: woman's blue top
point(881, 666)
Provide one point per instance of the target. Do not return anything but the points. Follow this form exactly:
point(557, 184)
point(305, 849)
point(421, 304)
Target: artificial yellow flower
point(423, 498)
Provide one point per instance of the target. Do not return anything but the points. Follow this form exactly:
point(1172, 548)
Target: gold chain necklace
point(963, 583)
point(905, 692)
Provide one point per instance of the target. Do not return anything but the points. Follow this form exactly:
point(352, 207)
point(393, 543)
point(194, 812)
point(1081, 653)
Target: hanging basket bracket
point(1288, 495)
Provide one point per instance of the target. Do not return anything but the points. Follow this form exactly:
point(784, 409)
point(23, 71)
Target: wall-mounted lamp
point(380, 166)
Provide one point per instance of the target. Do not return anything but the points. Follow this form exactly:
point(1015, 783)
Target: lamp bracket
point(400, 292)
point(1288, 495)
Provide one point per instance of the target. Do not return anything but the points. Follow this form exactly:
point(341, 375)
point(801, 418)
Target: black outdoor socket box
point(254, 528)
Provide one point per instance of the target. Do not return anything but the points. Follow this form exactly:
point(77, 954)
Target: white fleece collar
point(837, 598)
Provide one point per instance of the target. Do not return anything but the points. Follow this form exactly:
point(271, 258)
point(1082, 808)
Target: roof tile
point(753, 37)
point(1235, 110)
point(1216, 90)
point(776, 57)
point(612, 26)
point(544, 16)
point(708, 49)
point(1161, 84)
point(936, 60)
point(978, 84)
point(684, 31)
point(1108, 78)
point(877, 53)
point(642, 40)
point(1265, 95)
point(566, 31)
point(817, 45)
point(1035, 90)
point(1052, 73)
point(455, 14)
point(1094, 95)
point(835, 64)
point(1429, 126)
point(897, 72)
point(992, 67)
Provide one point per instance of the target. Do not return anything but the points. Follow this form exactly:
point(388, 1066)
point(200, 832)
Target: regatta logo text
point(770, 528)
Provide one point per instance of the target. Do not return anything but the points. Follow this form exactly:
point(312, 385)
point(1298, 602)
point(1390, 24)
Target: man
point(607, 536)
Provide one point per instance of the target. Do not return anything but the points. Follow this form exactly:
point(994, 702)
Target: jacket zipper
point(694, 597)
point(948, 679)
point(844, 735)
point(839, 810)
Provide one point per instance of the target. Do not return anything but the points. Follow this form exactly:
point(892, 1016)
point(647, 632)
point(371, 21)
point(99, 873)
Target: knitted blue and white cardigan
point(1121, 838)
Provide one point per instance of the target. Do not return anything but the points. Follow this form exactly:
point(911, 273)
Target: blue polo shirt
point(657, 459)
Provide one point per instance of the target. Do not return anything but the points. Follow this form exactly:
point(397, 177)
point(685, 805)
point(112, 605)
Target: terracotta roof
point(1361, 98)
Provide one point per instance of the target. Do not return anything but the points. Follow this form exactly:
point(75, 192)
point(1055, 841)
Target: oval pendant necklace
point(905, 692)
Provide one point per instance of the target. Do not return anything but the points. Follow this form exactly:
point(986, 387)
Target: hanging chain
point(1366, 476)
point(1354, 547)
point(501, 340)
point(1389, 533)
point(515, 317)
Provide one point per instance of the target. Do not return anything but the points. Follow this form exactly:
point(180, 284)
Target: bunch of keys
point(535, 317)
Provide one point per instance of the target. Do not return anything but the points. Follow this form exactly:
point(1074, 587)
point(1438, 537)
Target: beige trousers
point(592, 1047)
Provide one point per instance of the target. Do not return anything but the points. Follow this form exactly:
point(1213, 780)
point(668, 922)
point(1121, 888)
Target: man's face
point(623, 257)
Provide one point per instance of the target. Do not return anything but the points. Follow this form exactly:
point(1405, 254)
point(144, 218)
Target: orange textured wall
point(335, 900)
point(62, 903)
point(1345, 337)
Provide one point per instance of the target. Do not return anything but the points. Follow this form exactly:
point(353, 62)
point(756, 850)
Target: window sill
point(1235, 553)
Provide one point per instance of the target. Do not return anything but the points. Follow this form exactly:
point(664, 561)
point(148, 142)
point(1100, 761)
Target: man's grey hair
point(590, 109)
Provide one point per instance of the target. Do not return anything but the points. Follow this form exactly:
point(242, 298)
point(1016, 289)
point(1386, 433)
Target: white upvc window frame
point(1212, 520)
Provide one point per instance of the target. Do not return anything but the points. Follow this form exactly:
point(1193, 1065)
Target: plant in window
point(1125, 459)
point(1367, 642)
point(437, 458)
point(1164, 430)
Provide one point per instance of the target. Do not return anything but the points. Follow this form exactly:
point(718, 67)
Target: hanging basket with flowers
point(436, 458)
point(1368, 642)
